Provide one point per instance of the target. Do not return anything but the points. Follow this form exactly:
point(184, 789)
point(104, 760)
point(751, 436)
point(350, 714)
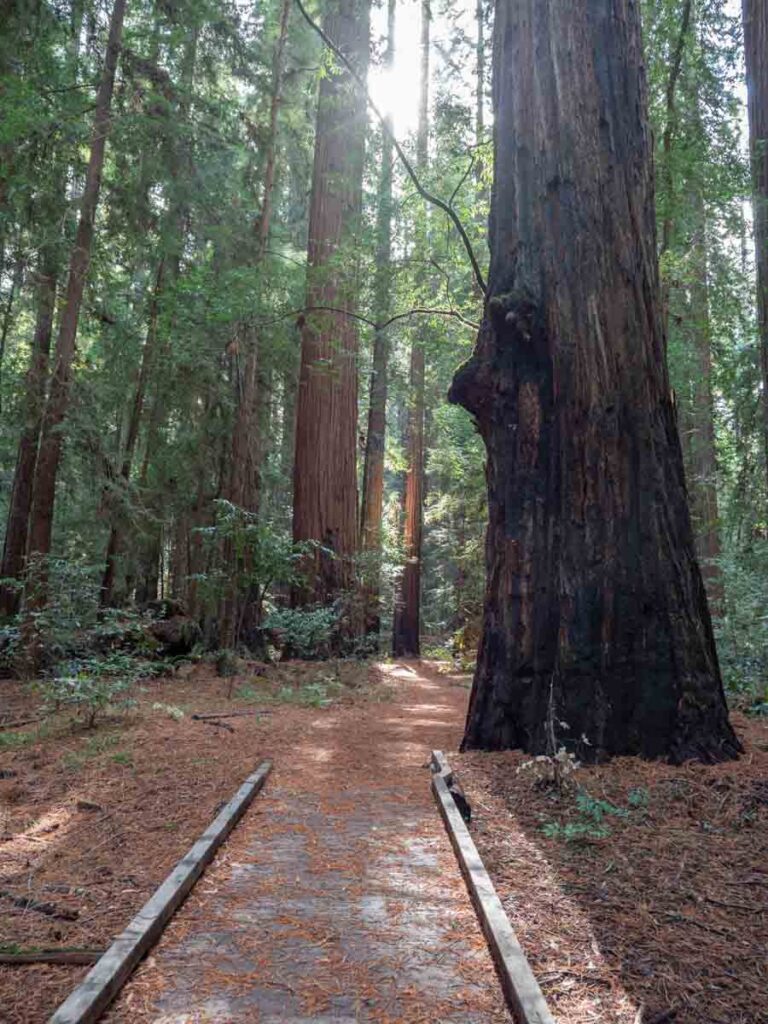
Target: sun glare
point(396, 92)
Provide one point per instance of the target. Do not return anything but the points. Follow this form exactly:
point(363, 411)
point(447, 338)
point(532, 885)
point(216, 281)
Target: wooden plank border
point(521, 989)
point(103, 982)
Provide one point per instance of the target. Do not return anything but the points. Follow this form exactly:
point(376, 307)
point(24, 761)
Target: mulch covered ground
point(665, 919)
point(91, 821)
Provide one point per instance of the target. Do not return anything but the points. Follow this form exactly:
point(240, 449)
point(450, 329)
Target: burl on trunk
point(596, 619)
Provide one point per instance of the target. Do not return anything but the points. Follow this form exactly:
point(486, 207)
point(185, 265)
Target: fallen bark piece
point(215, 721)
point(49, 909)
point(231, 714)
point(102, 983)
point(88, 805)
point(520, 986)
point(52, 956)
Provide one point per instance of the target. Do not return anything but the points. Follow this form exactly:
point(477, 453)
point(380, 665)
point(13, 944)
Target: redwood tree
point(406, 620)
point(373, 466)
point(756, 51)
point(596, 633)
point(325, 469)
point(49, 455)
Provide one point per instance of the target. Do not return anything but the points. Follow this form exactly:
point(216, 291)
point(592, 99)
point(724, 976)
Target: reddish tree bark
point(49, 455)
point(596, 627)
point(325, 473)
point(756, 51)
point(373, 466)
point(406, 621)
point(15, 545)
point(407, 611)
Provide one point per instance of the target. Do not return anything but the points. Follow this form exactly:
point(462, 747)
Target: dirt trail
point(338, 898)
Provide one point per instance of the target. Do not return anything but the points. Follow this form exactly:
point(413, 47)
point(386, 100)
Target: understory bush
point(742, 630)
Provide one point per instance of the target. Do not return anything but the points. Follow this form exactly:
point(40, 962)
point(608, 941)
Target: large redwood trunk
point(49, 455)
point(373, 466)
point(756, 49)
point(325, 473)
point(596, 626)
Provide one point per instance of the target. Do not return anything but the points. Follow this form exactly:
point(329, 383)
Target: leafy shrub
point(91, 685)
point(742, 630)
point(591, 816)
point(305, 633)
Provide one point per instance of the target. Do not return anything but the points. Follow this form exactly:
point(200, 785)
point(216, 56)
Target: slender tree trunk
point(667, 147)
point(756, 49)
point(325, 473)
point(243, 485)
point(698, 421)
point(16, 282)
point(373, 466)
point(406, 623)
point(596, 631)
point(34, 401)
point(49, 455)
point(148, 355)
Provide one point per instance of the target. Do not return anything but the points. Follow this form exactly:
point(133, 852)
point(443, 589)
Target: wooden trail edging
point(520, 987)
point(102, 983)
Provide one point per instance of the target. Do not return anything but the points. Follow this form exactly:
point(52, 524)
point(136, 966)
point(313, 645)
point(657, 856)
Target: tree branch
point(423, 192)
point(452, 314)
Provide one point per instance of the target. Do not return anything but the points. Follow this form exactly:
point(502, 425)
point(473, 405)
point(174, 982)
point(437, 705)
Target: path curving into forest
point(338, 898)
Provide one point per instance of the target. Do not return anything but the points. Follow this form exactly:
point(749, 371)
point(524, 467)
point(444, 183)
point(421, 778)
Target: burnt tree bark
point(373, 466)
point(406, 619)
point(325, 507)
point(49, 454)
point(596, 626)
point(756, 52)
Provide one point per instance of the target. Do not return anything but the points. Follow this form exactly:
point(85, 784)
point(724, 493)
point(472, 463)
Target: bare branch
point(295, 314)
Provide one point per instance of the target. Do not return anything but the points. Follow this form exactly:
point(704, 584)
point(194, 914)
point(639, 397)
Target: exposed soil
point(663, 920)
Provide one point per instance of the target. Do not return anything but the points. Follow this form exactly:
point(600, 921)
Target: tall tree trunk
point(596, 628)
point(49, 455)
point(167, 274)
point(242, 487)
point(373, 465)
point(406, 623)
point(325, 472)
point(667, 147)
point(15, 545)
point(148, 354)
point(698, 421)
point(756, 49)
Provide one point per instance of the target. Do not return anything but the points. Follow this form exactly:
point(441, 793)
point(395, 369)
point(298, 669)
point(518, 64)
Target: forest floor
point(345, 832)
point(654, 914)
point(648, 901)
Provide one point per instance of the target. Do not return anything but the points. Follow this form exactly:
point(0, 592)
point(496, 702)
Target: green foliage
point(591, 816)
point(306, 633)
point(92, 685)
point(742, 630)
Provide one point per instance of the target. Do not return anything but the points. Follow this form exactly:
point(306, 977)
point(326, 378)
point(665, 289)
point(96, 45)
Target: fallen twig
point(49, 909)
point(221, 725)
point(52, 956)
point(230, 714)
